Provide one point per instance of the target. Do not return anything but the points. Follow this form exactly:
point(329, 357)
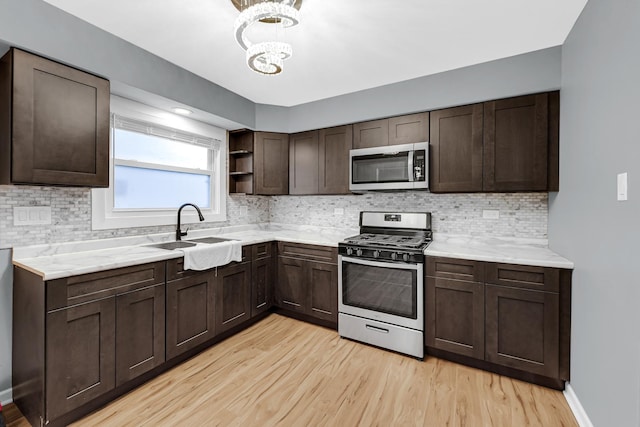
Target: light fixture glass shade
point(266, 57)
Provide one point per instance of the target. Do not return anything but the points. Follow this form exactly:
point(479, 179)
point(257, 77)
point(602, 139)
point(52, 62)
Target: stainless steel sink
point(210, 240)
point(173, 245)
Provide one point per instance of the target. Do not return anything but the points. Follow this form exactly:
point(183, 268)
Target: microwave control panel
point(418, 165)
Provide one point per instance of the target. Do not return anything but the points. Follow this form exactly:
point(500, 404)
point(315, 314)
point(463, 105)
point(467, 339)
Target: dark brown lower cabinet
point(510, 319)
point(190, 312)
point(262, 276)
point(307, 281)
point(80, 355)
point(233, 296)
point(140, 332)
point(455, 316)
point(522, 329)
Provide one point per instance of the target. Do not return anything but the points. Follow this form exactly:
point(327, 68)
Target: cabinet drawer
point(459, 269)
point(175, 267)
point(262, 250)
point(523, 276)
point(308, 252)
point(89, 287)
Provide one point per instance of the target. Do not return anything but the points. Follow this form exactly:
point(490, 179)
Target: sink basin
point(210, 240)
point(173, 245)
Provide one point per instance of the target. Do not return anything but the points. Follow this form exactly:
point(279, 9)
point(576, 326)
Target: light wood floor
point(289, 373)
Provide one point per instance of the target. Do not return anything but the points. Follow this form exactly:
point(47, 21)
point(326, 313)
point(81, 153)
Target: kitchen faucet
point(180, 233)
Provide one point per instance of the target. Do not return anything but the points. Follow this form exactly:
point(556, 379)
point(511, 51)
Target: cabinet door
point(371, 134)
point(303, 163)
point(456, 149)
point(233, 296)
point(522, 329)
point(262, 286)
point(291, 289)
point(516, 138)
point(323, 290)
point(455, 316)
point(333, 150)
point(60, 124)
point(271, 163)
point(139, 332)
point(80, 355)
point(190, 312)
point(409, 129)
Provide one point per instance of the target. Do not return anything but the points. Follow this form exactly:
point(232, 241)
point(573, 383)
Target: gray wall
point(6, 295)
point(600, 138)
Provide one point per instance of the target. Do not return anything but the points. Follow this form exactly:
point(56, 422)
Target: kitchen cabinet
point(54, 123)
point(190, 312)
point(262, 277)
point(503, 145)
point(455, 306)
point(67, 347)
point(319, 161)
point(510, 319)
point(271, 163)
point(307, 281)
point(456, 149)
point(407, 129)
point(140, 332)
point(233, 295)
point(241, 162)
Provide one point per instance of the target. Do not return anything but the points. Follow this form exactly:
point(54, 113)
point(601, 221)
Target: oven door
point(384, 291)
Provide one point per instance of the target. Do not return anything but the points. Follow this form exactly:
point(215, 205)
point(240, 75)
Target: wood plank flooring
point(289, 373)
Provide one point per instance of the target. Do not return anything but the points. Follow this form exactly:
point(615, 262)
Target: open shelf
point(241, 161)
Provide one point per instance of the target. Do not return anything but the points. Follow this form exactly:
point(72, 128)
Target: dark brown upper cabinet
point(54, 123)
point(504, 145)
point(456, 149)
point(392, 131)
point(271, 163)
point(409, 129)
point(241, 161)
point(319, 161)
point(516, 143)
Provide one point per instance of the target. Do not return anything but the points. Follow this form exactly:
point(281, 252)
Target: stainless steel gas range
point(381, 281)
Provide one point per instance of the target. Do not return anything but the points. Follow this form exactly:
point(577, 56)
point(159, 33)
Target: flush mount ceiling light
point(265, 57)
point(181, 111)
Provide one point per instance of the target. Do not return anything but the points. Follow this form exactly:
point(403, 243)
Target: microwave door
point(382, 168)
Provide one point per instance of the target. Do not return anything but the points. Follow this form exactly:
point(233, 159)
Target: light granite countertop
point(493, 249)
point(75, 258)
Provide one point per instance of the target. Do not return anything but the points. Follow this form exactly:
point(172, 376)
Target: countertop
point(493, 249)
point(74, 258)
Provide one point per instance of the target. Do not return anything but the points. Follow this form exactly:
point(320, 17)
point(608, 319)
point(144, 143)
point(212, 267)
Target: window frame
point(103, 214)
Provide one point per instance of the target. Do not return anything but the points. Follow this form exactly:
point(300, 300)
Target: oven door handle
point(398, 265)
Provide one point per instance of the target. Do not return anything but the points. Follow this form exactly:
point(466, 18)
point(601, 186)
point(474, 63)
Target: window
point(158, 162)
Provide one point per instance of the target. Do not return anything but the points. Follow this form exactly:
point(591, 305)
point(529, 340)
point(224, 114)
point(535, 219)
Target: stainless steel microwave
point(391, 167)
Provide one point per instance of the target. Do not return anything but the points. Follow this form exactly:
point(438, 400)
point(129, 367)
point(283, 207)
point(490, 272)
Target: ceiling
point(340, 46)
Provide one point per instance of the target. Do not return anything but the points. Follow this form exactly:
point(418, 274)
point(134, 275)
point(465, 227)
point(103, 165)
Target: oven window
point(382, 289)
point(380, 168)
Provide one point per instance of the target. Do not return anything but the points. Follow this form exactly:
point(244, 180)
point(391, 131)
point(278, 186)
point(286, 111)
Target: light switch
point(32, 215)
point(622, 186)
point(338, 211)
point(490, 214)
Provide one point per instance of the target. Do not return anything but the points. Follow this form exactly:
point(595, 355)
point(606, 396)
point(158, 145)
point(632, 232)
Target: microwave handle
point(410, 166)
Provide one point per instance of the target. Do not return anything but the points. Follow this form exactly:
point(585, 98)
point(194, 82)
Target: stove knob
point(376, 254)
point(394, 256)
point(349, 251)
point(405, 257)
point(359, 252)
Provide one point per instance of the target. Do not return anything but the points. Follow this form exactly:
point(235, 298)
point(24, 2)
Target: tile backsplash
point(521, 214)
point(71, 216)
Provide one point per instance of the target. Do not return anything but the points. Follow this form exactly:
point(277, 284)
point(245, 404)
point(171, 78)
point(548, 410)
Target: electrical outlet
point(622, 186)
point(338, 211)
point(31, 215)
point(490, 214)
point(244, 211)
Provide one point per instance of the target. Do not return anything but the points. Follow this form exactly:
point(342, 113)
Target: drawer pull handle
point(377, 329)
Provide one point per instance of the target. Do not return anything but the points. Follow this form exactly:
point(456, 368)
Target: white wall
point(599, 138)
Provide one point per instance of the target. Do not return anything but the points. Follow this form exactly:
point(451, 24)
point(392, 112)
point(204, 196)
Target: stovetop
point(390, 240)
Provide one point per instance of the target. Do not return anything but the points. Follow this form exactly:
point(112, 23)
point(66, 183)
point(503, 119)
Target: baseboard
point(6, 396)
point(576, 407)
